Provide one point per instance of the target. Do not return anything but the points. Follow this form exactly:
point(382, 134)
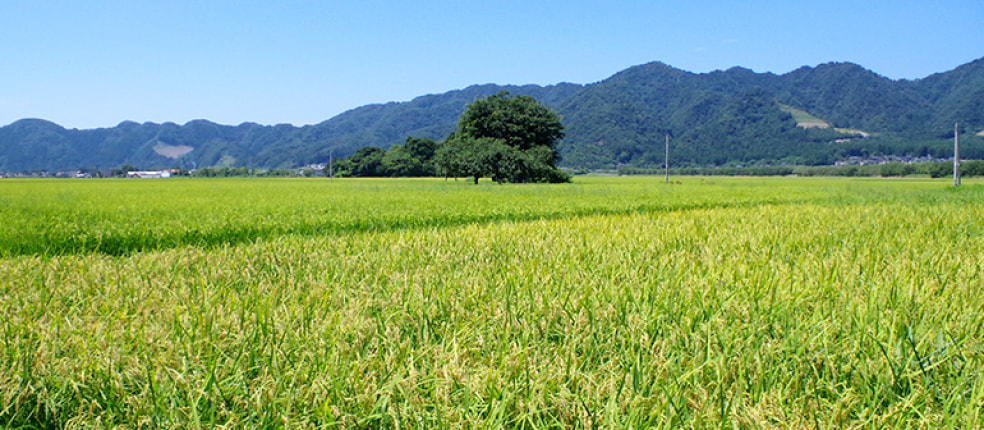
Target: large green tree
point(505, 137)
point(399, 162)
point(367, 161)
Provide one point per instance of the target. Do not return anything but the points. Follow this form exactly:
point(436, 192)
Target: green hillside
point(734, 116)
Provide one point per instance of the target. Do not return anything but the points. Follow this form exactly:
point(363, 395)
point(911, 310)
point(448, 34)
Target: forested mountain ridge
point(731, 116)
point(35, 144)
point(736, 115)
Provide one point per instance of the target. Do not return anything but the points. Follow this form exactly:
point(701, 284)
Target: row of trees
point(242, 171)
point(503, 137)
point(935, 169)
point(415, 157)
point(208, 172)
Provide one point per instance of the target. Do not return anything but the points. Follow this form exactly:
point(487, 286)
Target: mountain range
point(812, 115)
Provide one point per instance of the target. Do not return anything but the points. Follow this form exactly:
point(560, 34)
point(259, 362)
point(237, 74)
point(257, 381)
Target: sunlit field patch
point(610, 302)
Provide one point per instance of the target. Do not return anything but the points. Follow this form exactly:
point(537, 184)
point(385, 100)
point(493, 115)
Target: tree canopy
point(413, 158)
point(507, 138)
point(367, 161)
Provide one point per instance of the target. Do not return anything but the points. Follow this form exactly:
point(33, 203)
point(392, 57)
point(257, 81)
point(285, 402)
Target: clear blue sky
point(95, 63)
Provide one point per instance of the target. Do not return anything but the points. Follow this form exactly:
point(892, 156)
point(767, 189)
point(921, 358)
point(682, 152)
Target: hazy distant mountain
point(732, 116)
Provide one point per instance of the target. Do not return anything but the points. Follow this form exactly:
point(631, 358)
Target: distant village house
point(150, 174)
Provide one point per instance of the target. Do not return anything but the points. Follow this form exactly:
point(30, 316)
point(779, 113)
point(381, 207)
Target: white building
point(149, 174)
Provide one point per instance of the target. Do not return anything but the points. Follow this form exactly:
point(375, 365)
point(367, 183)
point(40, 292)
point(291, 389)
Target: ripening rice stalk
point(118, 217)
point(705, 313)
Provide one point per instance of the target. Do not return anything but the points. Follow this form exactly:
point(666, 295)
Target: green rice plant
point(615, 302)
point(119, 217)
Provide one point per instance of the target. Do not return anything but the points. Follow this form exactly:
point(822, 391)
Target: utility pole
point(956, 155)
point(331, 172)
point(667, 166)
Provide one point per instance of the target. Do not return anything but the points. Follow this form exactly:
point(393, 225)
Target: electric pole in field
point(956, 155)
point(331, 172)
point(667, 166)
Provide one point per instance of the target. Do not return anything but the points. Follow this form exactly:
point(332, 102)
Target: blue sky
point(87, 64)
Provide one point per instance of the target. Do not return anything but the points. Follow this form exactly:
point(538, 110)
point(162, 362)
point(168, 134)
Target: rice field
point(613, 302)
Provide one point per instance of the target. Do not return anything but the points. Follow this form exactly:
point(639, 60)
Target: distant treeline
point(375, 167)
point(937, 169)
point(226, 172)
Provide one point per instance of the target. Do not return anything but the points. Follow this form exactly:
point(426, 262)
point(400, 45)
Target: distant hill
point(34, 144)
point(738, 116)
point(733, 116)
